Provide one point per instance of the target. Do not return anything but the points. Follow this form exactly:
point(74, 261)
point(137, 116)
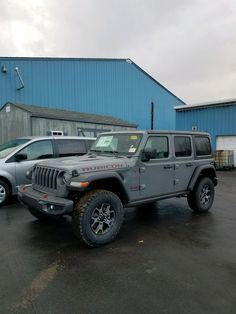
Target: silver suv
point(19, 155)
point(122, 169)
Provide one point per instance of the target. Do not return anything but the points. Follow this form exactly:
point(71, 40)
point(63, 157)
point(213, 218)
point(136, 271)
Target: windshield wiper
point(92, 152)
point(95, 150)
point(104, 151)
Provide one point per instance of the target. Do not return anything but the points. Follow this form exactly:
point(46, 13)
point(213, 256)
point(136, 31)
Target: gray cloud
point(189, 46)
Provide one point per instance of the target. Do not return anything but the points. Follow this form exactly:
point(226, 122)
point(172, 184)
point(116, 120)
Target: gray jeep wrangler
point(122, 169)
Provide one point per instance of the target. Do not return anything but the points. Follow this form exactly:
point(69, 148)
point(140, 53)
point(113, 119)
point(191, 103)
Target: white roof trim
point(216, 103)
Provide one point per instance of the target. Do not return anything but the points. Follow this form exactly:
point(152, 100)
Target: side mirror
point(21, 157)
point(149, 153)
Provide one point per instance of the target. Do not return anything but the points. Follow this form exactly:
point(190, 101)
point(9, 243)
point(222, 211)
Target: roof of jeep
point(159, 132)
point(176, 132)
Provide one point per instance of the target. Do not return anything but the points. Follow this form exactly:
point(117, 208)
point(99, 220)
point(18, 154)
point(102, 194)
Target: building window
point(54, 133)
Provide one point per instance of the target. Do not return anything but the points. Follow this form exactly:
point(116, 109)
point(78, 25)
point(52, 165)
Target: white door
point(227, 142)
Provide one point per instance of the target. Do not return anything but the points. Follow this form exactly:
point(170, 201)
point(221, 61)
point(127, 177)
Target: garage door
point(227, 142)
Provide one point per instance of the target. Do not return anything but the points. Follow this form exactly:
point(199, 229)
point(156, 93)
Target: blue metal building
point(217, 118)
point(115, 87)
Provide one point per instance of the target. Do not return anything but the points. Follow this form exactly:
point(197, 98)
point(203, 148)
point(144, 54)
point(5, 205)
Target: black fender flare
point(207, 169)
point(93, 178)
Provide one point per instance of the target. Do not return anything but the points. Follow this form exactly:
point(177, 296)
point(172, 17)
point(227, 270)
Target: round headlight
point(66, 177)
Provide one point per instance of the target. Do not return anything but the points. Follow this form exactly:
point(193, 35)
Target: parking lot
point(167, 260)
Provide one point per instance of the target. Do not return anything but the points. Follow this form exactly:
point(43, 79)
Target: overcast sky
point(187, 45)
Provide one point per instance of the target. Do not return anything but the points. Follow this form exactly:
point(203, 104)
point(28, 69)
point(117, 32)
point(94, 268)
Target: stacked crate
point(224, 159)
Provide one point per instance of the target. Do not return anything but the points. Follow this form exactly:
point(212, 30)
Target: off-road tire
point(88, 216)
point(201, 198)
point(5, 192)
point(39, 215)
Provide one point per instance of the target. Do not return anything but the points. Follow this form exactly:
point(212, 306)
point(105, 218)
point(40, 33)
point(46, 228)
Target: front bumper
point(45, 202)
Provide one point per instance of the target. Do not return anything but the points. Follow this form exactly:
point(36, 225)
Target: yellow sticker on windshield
point(133, 137)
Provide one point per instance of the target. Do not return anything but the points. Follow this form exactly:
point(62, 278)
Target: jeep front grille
point(46, 177)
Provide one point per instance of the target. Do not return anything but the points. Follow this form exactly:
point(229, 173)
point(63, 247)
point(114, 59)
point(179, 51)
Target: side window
point(182, 146)
point(71, 147)
point(160, 144)
point(38, 150)
point(203, 145)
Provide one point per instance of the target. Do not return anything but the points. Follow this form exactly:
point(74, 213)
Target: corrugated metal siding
point(41, 126)
point(216, 121)
point(13, 124)
point(108, 87)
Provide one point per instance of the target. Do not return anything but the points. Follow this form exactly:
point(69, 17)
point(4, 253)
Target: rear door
point(184, 164)
point(157, 174)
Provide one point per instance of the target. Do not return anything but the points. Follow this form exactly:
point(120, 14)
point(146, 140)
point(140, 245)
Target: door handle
point(168, 166)
point(189, 164)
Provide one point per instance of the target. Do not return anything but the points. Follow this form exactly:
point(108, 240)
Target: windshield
point(8, 147)
point(119, 143)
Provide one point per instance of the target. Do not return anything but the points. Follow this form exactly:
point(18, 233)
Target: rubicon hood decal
point(104, 167)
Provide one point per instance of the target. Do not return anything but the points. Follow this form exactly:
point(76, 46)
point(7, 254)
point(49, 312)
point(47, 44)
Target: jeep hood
point(86, 163)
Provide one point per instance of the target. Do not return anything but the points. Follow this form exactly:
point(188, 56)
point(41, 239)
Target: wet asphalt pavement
point(167, 260)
